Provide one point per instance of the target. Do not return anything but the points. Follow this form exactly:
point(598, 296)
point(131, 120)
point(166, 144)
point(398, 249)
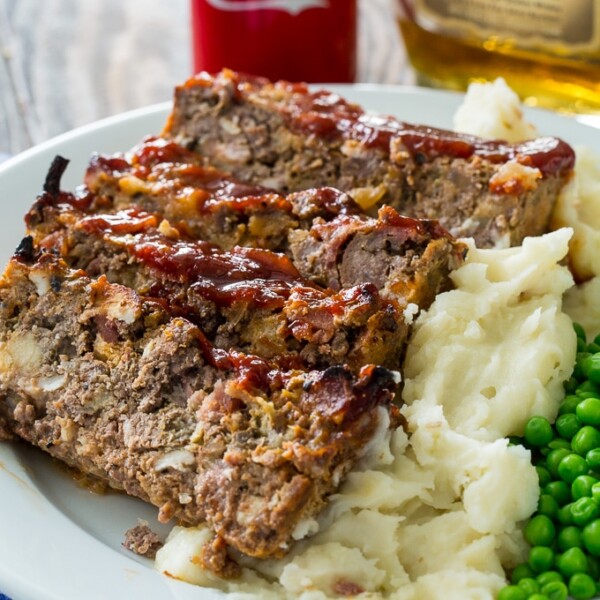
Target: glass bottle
point(297, 40)
point(547, 50)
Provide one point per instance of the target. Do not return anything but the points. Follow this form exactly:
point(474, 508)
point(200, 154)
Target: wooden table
point(65, 63)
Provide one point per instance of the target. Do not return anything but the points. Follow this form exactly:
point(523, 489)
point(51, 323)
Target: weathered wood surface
point(64, 63)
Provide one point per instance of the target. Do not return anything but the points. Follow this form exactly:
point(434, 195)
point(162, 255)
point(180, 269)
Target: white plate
point(59, 541)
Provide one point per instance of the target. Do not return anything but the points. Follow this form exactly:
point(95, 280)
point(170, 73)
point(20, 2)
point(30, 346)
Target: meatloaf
point(284, 136)
point(220, 349)
point(246, 299)
point(122, 388)
point(323, 230)
point(220, 385)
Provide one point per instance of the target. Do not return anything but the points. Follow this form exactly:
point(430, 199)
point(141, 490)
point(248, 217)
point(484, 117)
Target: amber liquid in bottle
point(541, 78)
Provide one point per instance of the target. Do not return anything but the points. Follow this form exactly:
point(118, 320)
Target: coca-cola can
point(297, 40)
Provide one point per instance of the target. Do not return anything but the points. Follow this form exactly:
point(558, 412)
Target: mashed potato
point(493, 110)
point(505, 306)
point(582, 304)
point(579, 207)
point(435, 511)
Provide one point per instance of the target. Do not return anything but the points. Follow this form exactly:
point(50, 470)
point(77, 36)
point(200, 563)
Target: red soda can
point(297, 40)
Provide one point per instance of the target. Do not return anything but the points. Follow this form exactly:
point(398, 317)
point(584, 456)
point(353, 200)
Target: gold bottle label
point(560, 26)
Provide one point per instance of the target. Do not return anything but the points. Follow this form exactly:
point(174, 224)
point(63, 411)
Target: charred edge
point(336, 373)
point(24, 252)
point(376, 386)
point(55, 173)
point(379, 378)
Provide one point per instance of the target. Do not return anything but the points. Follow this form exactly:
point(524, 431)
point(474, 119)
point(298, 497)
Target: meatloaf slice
point(286, 137)
point(248, 299)
point(121, 388)
point(162, 177)
point(408, 260)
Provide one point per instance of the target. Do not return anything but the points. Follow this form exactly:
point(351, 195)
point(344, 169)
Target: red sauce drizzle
point(329, 116)
point(155, 150)
point(217, 183)
point(253, 372)
point(336, 118)
point(259, 277)
point(163, 161)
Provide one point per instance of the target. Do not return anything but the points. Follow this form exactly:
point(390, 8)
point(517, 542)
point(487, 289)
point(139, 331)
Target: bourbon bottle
point(548, 51)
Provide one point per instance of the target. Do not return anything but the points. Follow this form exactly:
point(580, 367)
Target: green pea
point(538, 431)
point(548, 576)
point(591, 368)
point(529, 585)
point(540, 531)
point(569, 404)
point(592, 458)
point(520, 572)
point(553, 459)
point(544, 476)
point(571, 385)
point(548, 506)
point(572, 466)
point(592, 348)
point(586, 439)
point(588, 411)
point(569, 537)
point(572, 561)
point(512, 592)
point(586, 395)
point(582, 586)
point(538, 597)
point(569, 424)
point(579, 331)
point(587, 389)
point(558, 443)
point(584, 510)
point(581, 355)
point(577, 368)
point(582, 486)
point(581, 344)
point(590, 537)
point(593, 566)
point(559, 490)
point(596, 492)
point(565, 516)
point(541, 558)
point(555, 590)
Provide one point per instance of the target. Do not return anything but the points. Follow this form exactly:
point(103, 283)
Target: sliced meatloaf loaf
point(286, 137)
point(122, 388)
